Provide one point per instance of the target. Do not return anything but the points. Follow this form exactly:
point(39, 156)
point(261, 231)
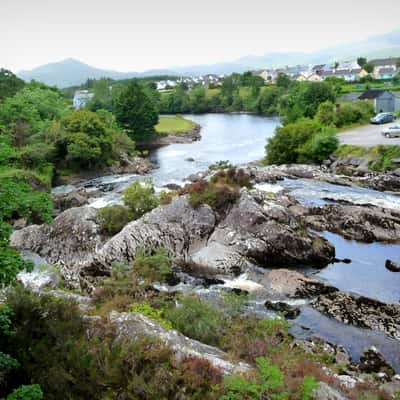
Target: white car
point(391, 131)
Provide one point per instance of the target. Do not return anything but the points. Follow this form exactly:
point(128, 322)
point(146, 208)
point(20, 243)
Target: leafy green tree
point(10, 84)
point(268, 100)
point(87, 141)
point(303, 99)
point(30, 111)
point(135, 111)
point(283, 81)
point(102, 97)
point(361, 61)
point(369, 67)
point(198, 100)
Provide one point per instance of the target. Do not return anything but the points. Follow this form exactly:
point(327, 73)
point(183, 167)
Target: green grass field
point(176, 124)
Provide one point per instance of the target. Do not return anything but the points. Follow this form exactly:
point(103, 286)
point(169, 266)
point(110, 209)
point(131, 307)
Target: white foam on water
point(244, 283)
point(268, 187)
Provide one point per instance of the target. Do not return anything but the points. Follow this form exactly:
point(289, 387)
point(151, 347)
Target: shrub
point(220, 192)
point(223, 164)
point(140, 198)
point(284, 147)
point(326, 113)
point(114, 218)
point(152, 313)
point(26, 392)
point(153, 266)
point(268, 383)
point(197, 319)
point(308, 387)
point(319, 147)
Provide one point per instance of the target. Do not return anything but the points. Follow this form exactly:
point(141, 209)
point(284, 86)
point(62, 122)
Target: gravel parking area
point(368, 135)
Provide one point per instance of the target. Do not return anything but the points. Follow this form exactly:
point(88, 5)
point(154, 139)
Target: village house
point(383, 100)
point(81, 97)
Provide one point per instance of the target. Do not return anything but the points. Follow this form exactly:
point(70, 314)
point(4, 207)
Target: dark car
point(383, 118)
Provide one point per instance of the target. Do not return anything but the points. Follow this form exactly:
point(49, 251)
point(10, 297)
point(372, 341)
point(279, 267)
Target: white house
point(81, 97)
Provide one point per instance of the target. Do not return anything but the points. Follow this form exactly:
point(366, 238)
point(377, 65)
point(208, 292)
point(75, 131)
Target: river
point(240, 139)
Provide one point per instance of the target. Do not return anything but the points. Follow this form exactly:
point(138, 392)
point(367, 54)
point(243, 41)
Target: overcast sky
point(132, 35)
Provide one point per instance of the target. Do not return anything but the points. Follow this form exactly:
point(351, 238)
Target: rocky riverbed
point(270, 244)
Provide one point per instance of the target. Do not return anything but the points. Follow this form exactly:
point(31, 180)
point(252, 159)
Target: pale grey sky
point(132, 35)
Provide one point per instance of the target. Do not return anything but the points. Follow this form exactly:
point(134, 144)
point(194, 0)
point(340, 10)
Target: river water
point(241, 139)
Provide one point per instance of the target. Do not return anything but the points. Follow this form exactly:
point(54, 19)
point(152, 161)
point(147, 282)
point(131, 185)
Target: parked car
point(383, 118)
point(391, 131)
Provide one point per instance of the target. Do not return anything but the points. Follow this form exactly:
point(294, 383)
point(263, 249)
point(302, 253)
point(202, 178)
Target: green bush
point(267, 384)
point(197, 319)
point(26, 392)
point(140, 198)
point(153, 266)
point(285, 146)
point(319, 147)
point(310, 384)
point(147, 310)
point(114, 218)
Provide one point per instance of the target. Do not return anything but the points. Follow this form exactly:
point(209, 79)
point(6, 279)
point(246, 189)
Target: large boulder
point(262, 232)
point(361, 311)
point(134, 325)
point(363, 223)
point(289, 283)
point(71, 239)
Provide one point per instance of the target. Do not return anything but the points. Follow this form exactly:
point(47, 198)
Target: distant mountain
point(71, 72)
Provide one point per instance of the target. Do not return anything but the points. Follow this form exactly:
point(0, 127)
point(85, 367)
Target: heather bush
point(114, 218)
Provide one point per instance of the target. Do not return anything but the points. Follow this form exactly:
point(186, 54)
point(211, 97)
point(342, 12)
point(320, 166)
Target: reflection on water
point(238, 138)
point(366, 274)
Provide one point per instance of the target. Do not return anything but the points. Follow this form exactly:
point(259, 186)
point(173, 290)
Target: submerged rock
point(361, 311)
point(289, 311)
point(134, 325)
point(392, 266)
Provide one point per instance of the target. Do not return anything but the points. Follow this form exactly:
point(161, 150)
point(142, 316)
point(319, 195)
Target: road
point(368, 135)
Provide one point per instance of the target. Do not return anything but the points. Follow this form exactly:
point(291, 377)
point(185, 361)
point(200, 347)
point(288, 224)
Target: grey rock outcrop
point(71, 239)
point(254, 231)
point(361, 311)
point(293, 284)
point(363, 223)
point(326, 392)
point(135, 325)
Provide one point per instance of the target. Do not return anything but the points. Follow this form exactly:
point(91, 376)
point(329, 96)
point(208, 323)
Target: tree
point(10, 84)
point(102, 98)
point(86, 141)
point(198, 100)
point(283, 81)
point(31, 110)
point(361, 61)
point(135, 111)
point(368, 67)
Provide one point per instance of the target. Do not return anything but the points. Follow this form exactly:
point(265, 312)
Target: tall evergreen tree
point(135, 111)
